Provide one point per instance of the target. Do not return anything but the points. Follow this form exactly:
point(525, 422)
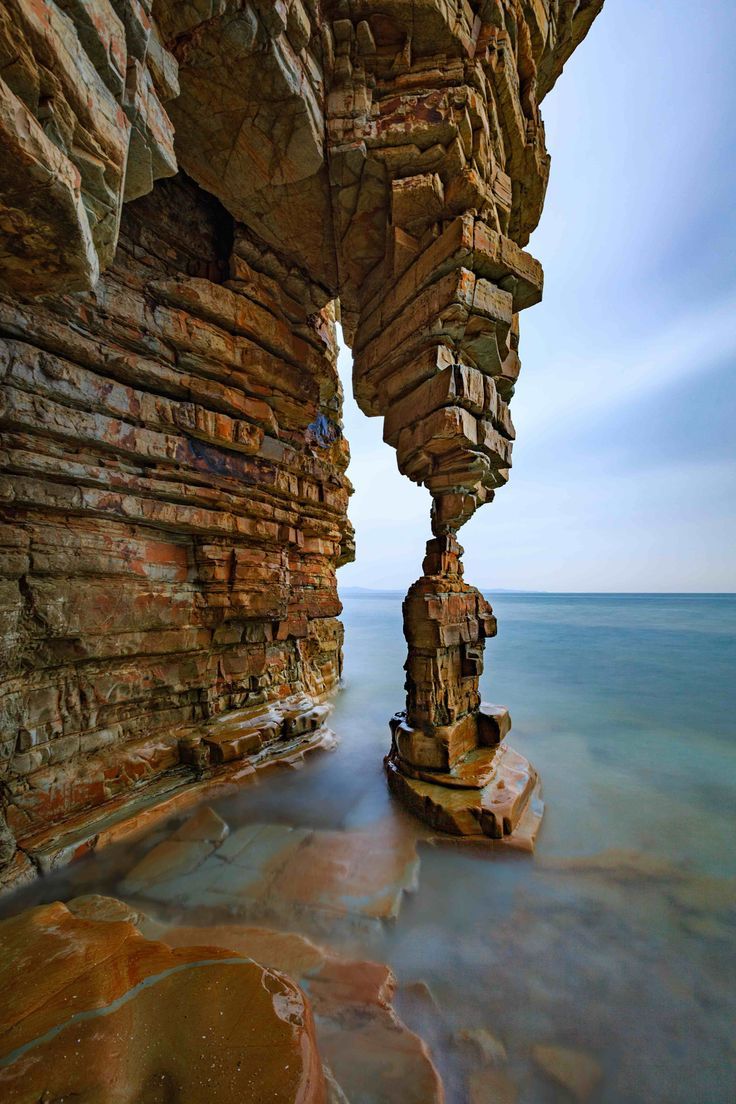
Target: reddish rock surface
point(173, 497)
point(373, 1056)
point(92, 1009)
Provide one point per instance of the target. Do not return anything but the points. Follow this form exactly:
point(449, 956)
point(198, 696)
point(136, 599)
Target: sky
point(624, 471)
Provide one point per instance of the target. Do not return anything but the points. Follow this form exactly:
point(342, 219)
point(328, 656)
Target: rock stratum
point(190, 195)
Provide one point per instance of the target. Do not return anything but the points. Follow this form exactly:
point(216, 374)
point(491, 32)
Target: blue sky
point(624, 475)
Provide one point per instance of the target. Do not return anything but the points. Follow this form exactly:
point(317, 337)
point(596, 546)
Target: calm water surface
point(617, 938)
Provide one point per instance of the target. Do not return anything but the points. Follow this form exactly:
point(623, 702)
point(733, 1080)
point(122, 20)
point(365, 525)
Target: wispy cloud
point(689, 346)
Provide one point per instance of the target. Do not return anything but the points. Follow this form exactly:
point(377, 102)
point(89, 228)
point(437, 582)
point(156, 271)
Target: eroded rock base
point(487, 813)
point(212, 757)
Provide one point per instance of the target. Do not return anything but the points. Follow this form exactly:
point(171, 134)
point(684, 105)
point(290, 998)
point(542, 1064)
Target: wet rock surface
point(118, 967)
point(372, 1055)
point(94, 1010)
point(272, 871)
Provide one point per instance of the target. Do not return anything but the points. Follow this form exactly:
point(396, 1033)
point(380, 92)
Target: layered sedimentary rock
point(174, 506)
point(174, 493)
point(82, 128)
point(447, 760)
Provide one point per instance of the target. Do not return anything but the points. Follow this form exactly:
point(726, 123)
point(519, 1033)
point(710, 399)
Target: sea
point(616, 939)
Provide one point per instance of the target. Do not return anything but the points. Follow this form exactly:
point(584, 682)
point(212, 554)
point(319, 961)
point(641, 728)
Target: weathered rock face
point(174, 493)
point(174, 507)
point(82, 128)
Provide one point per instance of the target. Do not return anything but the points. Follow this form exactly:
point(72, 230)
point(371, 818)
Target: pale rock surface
point(273, 872)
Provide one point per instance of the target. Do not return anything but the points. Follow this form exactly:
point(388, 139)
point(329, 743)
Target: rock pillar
point(446, 622)
point(446, 760)
point(438, 169)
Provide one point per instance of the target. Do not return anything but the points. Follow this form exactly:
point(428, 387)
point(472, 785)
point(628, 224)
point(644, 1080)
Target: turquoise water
point(617, 938)
point(627, 706)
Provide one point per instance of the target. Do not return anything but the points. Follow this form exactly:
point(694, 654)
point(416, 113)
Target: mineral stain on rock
point(110, 1015)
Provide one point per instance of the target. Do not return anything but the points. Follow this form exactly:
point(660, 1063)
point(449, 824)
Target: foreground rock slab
point(374, 1057)
point(94, 1011)
point(266, 871)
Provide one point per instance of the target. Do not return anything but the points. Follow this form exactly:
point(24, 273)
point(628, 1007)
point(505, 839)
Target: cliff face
point(174, 498)
point(174, 504)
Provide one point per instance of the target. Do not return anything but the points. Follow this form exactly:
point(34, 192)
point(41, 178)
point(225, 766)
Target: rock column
point(438, 169)
point(446, 622)
point(446, 760)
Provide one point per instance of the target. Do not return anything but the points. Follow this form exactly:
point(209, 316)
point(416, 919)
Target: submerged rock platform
point(273, 872)
point(105, 1004)
point(210, 759)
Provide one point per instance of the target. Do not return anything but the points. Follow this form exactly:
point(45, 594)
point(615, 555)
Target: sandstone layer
point(190, 196)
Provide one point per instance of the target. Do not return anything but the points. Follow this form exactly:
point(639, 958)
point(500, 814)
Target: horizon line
point(519, 590)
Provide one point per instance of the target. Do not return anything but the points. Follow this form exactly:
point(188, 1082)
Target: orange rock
point(372, 1054)
point(575, 1070)
point(93, 1009)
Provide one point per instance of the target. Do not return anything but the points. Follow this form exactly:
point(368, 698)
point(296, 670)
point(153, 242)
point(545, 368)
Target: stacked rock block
point(446, 761)
point(439, 159)
point(439, 168)
point(173, 491)
point(446, 624)
point(437, 356)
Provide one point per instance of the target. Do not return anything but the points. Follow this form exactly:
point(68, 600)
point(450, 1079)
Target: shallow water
point(617, 938)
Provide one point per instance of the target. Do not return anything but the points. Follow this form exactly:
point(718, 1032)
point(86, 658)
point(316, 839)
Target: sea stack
point(447, 761)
